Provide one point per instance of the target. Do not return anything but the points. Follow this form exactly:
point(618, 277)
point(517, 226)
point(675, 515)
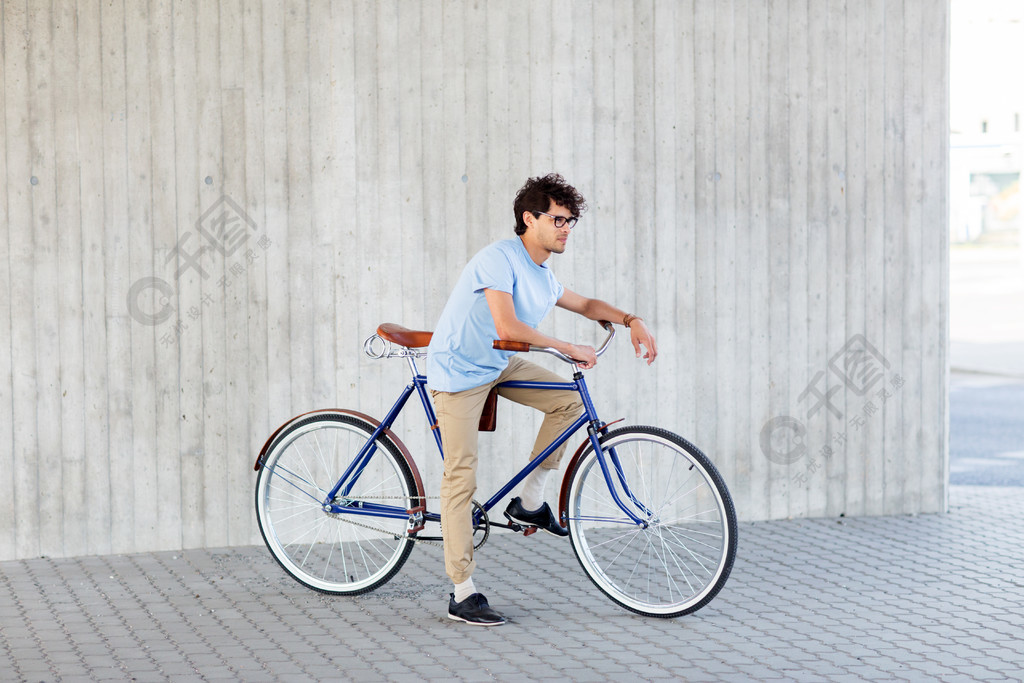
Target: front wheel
point(680, 556)
point(340, 553)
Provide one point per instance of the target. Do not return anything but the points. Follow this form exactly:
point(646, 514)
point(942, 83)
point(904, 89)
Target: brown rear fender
point(420, 491)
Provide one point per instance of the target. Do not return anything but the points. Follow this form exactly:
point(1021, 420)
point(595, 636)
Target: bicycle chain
point(348, 520)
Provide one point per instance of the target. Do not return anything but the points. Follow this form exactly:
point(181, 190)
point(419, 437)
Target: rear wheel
point(341, 553)
point(681, 556)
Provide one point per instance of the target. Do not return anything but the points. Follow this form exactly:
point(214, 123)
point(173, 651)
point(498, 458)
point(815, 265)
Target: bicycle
point(340, 501)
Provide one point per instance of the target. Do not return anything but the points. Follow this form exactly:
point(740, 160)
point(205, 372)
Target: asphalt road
point(986, 431)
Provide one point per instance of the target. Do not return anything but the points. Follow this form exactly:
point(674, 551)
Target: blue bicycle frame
point(336, 502)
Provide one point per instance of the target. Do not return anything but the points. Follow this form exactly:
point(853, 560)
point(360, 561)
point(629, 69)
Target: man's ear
point(528, 219)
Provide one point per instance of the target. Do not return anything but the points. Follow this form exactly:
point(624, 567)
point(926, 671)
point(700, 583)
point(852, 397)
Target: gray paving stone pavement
point(927, 597)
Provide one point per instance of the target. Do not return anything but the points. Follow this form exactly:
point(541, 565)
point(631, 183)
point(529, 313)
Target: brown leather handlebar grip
point(503, 345)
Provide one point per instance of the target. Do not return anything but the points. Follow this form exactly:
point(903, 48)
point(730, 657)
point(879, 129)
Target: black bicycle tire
point(731, 524)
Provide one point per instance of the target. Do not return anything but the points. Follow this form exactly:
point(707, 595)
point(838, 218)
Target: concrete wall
point(208, 206)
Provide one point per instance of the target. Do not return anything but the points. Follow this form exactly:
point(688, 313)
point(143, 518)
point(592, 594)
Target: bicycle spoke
point(602, 520)
point(681, 568)
point(319, 453)
point(694, 517)
point(697, 556)
point(679, 531)
point(287, 480)
point(315, 529)
point(629, 533)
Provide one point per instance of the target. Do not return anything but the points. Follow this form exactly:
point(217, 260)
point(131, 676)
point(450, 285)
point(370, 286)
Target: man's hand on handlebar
point(585, 356)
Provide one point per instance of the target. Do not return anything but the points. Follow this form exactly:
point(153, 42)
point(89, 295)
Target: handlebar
point(504, 345)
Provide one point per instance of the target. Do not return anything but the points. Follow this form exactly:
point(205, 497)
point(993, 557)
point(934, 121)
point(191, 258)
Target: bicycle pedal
point(530, 530)
point(512, 524)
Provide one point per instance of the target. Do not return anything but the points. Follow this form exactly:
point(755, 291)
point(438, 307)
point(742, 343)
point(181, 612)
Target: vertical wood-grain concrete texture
point(207, 206)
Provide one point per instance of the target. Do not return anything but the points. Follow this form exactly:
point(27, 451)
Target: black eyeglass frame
point(560, 221)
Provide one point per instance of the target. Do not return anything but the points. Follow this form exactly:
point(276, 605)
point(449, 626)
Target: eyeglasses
point(561, 221)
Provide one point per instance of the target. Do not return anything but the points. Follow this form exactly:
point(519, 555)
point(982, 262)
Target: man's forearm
point(596, 309)
point(521, 332)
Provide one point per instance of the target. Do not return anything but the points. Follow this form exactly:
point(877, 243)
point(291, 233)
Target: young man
point(504, 292)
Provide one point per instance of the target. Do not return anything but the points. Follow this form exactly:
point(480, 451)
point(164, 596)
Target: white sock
point(464, 590)
point(532, 494)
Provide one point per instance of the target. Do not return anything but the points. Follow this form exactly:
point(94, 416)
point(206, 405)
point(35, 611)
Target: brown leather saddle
point(418, 339)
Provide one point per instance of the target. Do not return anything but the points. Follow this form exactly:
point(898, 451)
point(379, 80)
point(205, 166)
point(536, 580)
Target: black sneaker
point(474, 610)
point(542, 518)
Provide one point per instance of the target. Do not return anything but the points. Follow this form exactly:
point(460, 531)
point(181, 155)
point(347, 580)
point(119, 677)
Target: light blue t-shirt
point(460, 355)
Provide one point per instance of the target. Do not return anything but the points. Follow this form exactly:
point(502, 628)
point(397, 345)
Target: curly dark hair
point(538, 193)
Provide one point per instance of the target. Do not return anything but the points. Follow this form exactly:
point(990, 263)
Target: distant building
point(986, 111)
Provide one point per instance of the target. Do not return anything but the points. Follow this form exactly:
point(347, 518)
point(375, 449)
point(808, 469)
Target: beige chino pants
point(458, 418)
